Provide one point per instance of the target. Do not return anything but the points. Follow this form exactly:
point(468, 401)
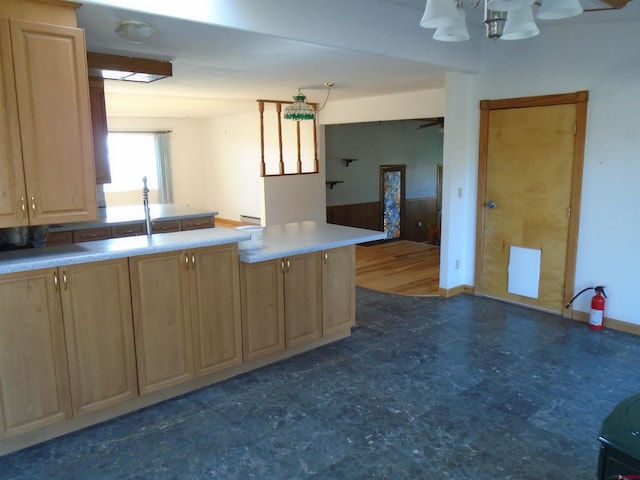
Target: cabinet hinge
point(575, 128)
point(569, 212)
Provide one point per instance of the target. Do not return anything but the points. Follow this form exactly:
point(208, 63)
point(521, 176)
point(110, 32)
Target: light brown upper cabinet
point(47, 171)
point(99, 130)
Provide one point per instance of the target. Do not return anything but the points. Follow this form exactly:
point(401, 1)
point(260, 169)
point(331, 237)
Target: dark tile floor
point(425, 388)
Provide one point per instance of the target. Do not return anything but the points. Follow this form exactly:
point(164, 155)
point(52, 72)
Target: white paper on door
point(524, 271)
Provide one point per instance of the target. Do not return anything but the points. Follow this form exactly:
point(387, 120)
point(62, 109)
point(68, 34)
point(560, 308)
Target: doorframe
point(580, 99)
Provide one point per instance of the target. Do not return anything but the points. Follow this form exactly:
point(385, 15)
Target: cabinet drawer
point(196, 223)
point(91, 234)
point(59, 238)
point(128, 230)
point(166, 226)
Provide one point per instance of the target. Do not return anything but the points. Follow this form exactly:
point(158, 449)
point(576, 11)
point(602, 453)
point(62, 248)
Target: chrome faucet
point(145, 201)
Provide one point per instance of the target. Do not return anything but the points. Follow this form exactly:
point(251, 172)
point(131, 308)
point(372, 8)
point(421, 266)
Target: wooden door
point(392, 200)
point(55, 124)
point(96, 301)
point(215, 308)
point(302, 298)
point(529, 200)
point(338, 289)
point(162, 319)
point(12, 189)
point(34, 383)
point(262, 300)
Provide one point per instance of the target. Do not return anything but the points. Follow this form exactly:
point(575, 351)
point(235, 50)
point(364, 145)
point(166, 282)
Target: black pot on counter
point(18, 238)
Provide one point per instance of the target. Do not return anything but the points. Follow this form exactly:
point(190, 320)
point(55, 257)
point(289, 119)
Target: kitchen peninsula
point(93, 330)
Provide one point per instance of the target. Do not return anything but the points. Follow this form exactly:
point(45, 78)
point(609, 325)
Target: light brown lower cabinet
point(295, 300)
point(96, 301)
point(338, 289)
point(81, 338)
point(66, 344)
point(186, 311)
point(262, 292)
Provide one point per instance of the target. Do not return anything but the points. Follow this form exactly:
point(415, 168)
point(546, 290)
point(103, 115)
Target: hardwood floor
point(401, 267)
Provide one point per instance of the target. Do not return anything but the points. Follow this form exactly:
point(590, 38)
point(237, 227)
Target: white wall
point(187, 154)
point(459, 183)
point(232, 165)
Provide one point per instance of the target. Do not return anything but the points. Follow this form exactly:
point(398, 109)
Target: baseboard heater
point(250, 220)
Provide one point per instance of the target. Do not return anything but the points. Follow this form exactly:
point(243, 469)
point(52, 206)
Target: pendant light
point(299, 109)
point(520, 25)
point(439, 13)
point(454, 32)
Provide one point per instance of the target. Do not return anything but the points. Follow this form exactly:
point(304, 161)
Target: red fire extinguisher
point(596, 316)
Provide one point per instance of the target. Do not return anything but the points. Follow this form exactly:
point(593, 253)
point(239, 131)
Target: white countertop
point(305, 237)
point(278, 241)
point(59, 256)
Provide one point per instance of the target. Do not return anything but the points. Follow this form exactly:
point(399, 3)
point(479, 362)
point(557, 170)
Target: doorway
point(392, 200)
point(529, 183)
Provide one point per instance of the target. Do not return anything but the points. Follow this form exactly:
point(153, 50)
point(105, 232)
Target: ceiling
point(226, 54)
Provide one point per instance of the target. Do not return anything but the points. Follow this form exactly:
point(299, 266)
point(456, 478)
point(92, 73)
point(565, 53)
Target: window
point(132, 156)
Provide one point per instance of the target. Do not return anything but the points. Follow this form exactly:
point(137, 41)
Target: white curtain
point(163, 159)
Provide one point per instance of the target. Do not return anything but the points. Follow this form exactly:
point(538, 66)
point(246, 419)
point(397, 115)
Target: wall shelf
point(333, 183)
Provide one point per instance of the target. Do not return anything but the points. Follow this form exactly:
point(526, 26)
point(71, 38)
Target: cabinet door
point(96, 301)
point(55, 125)
point(99, 130)
point(162, 320)
point(34, 383)
point(338, 289)
point(262, 299)
point(13, 194)
point(215, 308)
point(302, 297)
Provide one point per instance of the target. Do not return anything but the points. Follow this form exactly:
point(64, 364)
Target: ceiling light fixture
point(135, 31)
point(301, 110)
point(504, 19)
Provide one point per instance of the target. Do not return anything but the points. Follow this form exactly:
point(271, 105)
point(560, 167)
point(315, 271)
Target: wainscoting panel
point(420, 217)
point(360, 215)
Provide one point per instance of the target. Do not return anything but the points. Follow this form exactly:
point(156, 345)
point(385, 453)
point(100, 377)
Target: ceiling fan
point(432, 122)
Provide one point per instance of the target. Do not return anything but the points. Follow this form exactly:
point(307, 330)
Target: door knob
point(491, 204)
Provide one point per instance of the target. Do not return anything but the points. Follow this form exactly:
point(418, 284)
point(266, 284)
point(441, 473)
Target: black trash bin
point(620, 438)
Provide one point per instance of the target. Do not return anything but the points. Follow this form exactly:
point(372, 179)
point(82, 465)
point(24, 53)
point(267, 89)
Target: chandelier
point(504, 19)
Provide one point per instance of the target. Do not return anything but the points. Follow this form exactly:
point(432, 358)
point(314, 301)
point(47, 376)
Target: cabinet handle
point(288, 264)
point(64, 280)
point(193, 260)
point(33, 203)
point(23, 207)
point(326, 257)
point(55, 281)
point(282, 265)
point(186, 260)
